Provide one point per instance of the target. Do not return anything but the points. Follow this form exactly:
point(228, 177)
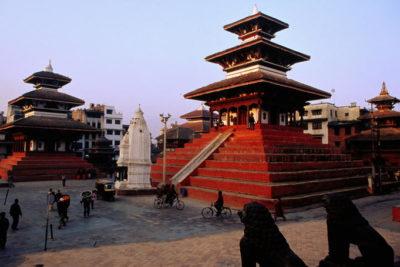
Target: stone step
point(262, 176)
point(274, 190)
point(280, 166)
point(271, 157)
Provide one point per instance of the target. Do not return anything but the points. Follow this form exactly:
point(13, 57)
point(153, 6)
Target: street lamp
point(164, 120)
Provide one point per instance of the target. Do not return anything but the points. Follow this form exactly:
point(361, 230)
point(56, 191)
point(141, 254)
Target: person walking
point(51, 198)
point(62, 211)
point(278, 209)
point(86, 205)
point(63, 179)
point(15, 212)
point(4, 224)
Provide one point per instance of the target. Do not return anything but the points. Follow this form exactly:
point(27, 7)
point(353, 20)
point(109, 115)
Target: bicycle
point(160, 202)
point(209, 212)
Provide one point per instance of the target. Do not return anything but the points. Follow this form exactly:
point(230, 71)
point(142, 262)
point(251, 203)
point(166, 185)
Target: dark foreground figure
point(262, 242)
point(347, 226)
point(4, 224)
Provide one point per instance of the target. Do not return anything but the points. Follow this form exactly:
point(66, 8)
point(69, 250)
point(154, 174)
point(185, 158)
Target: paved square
point(130, 231)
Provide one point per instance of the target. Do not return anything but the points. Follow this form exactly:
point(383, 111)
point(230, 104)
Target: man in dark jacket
point(15, 212)
point(62, 211)
point(86, 205)
point(3, 230)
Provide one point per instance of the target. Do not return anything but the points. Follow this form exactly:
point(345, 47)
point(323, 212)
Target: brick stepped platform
point(38, 166)
point(264, 164)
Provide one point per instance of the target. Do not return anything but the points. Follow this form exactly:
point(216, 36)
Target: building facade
point(331, 124)
point(106, 119)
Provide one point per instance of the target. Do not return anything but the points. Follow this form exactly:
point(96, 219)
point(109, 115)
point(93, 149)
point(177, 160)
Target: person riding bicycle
point(171, 195)
point(219, 204)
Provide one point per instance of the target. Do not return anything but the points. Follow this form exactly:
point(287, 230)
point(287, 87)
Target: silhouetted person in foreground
point(347, 226)
point(219, 204)
point(15, 212)
point(4, 224)
point(262, 241)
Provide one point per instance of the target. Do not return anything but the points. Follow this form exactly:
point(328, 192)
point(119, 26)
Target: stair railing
point(195, 162)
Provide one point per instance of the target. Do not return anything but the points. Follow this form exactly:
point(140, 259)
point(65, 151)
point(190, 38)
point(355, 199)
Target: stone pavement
point(131, 232)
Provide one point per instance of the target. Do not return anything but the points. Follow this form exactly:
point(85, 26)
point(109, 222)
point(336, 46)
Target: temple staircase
point(264, 164)
point(40, 166)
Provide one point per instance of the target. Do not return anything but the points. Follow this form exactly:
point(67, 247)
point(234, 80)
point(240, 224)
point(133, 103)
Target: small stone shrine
point(135, 156)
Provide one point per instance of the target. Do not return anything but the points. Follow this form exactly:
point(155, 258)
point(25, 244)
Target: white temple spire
point(255, 9)
point(49, 68)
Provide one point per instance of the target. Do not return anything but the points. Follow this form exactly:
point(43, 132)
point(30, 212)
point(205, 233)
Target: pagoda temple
point(275, 159)
point(383, 139)
point(42, 131)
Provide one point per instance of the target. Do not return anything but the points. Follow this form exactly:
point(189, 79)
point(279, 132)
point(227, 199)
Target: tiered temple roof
point(257, 65)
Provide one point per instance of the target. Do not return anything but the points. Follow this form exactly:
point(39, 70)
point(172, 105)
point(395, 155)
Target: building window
point(335, 113)
point(93, 144)
point(305, 126)
point(337, 131)
point(331, 113)
point(337, 143)
point(117, 143)
point(117, 121)
point(93, 124)
point(117, 132)
point(348, 130)
point(316, 112)
point(86, 144)
point(99, 125)
point(109, 111)
point(109, 132)
point(109, 121)
point(316, 125)
point(346, 114)
point(305, 113)
point(357, 129)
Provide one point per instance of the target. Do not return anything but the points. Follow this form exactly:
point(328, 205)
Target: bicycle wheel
point(179, 204)
point(226, 212)
point(158, 203)
point(207, 212)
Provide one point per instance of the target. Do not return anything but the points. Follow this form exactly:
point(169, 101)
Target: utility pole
point(164, 120)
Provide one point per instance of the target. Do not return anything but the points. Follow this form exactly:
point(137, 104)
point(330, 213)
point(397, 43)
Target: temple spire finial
point(255, 9)
point(384, 90)
point(49, 68)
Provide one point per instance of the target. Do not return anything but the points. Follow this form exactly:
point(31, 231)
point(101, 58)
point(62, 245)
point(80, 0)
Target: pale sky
point(126, 52)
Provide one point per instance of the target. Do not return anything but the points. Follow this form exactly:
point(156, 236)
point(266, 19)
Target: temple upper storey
point(257, 52)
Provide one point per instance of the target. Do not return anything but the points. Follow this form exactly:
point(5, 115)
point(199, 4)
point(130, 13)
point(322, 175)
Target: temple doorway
point(242, 116)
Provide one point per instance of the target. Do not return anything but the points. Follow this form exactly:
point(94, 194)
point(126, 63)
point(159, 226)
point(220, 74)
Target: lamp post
point(164, 120)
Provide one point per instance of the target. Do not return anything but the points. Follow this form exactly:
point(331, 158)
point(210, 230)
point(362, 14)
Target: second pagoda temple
point(43, 133)
point(273, 160)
